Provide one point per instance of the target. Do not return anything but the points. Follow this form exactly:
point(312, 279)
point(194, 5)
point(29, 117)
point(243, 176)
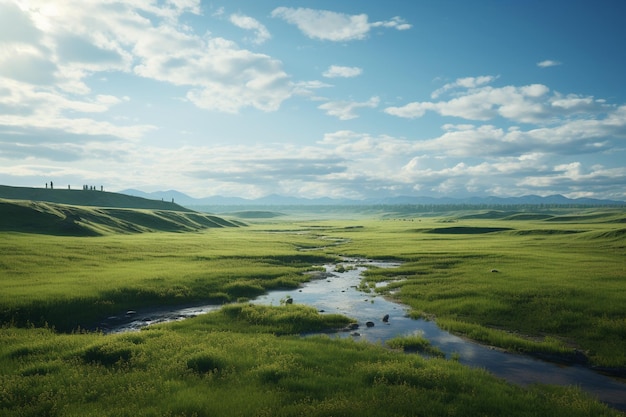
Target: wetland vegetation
point(548, 283)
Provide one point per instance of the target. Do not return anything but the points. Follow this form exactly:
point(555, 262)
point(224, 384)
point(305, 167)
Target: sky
point(341, 99)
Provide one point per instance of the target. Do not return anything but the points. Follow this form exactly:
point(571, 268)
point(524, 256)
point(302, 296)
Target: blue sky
point(316, 98)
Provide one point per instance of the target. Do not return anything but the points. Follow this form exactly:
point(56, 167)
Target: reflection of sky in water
point(338, 294)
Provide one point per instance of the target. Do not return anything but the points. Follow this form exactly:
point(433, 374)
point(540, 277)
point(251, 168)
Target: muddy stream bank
point(337, 292)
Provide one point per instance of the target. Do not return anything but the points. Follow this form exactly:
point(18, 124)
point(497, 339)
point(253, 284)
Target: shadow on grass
point(460, 230)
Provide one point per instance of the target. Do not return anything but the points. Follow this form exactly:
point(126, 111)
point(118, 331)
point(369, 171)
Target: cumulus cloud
point(487, 159)
point(222, 76)
point(60, 115)
point(63, 44)
point(578, 180)
point(258, 170)
point(466, 158)
point(56, 59)
point(573, 102)
point(474, 100)
point(28, 106)
point(548, 63)
point(406, 166)
point(346, 110)
point(448, 164)
point(467, 83)
point(334, 26)
point(250, 23)
point(338, 71)
point(570, 137)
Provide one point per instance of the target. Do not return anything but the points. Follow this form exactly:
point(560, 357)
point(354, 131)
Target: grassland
point(89, 198)
point(224, 364)
point(559, 287)
point(72, 282)
point(68, 220)
point(559, 282)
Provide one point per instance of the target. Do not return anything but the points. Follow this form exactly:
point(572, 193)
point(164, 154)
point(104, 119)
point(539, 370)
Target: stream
point(338, 293)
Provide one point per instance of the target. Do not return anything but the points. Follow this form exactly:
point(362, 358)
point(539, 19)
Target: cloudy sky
point(353, 99)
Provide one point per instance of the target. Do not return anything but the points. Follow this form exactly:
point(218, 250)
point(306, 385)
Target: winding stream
point(338, 293)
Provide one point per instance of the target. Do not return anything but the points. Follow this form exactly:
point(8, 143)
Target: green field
point(547, 282)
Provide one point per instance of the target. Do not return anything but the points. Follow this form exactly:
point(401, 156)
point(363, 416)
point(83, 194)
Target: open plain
point(549, 283)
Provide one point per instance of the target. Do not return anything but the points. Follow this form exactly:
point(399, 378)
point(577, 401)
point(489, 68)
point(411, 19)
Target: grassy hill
point(86, 198)
point(94, 213)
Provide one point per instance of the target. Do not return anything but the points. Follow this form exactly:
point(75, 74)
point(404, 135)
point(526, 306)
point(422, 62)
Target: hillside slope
point(67, 220)
point(91, 198)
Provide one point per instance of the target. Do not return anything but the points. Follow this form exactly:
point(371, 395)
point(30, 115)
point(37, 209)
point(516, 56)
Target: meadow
point(548, 286)
point(558, 291)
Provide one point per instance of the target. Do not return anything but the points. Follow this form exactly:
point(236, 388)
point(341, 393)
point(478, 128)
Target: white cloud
point(345, 110)
point(307, 89)
point(249, 23)
point(60, 101)
point(333, 26)
point(548, 63)
point(578, 180)
point(524, 104)
point(222, 77)
point(574, 102)
point(411, 110)
point(396, 22)
point(16, 25)
point(338, 71)
point(570, 137)
point(467, 83)
point(344, 164)
point(469, 160)
point(63, 44)
point(43, 108)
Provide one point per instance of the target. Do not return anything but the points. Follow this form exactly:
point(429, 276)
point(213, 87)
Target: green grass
point(553, 291)
point(559, 287)
point(86, 198)
point(414, 343)
point(71, 282)
point(224, 364)
point(82, 221)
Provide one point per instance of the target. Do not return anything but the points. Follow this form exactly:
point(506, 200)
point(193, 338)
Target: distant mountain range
point(277, 200)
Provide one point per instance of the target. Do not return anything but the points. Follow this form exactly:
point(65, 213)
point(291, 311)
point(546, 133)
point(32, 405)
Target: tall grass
point(71, 282)
point(552, 291)
point(529, 283)
point(566, 288)
point(209, 366)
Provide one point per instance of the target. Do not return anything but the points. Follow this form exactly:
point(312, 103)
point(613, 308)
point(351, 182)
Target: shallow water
point(338, 293)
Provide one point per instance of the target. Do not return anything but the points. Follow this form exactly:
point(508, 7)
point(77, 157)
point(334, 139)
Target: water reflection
point(338, 293)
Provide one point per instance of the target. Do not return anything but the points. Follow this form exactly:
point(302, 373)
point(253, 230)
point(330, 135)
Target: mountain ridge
point(277, 200)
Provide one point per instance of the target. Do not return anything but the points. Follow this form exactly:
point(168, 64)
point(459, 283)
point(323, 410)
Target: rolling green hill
point(94, 213)
point(86, 198)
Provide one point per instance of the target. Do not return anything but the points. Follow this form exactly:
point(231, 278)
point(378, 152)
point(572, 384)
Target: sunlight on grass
point(551, 284)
